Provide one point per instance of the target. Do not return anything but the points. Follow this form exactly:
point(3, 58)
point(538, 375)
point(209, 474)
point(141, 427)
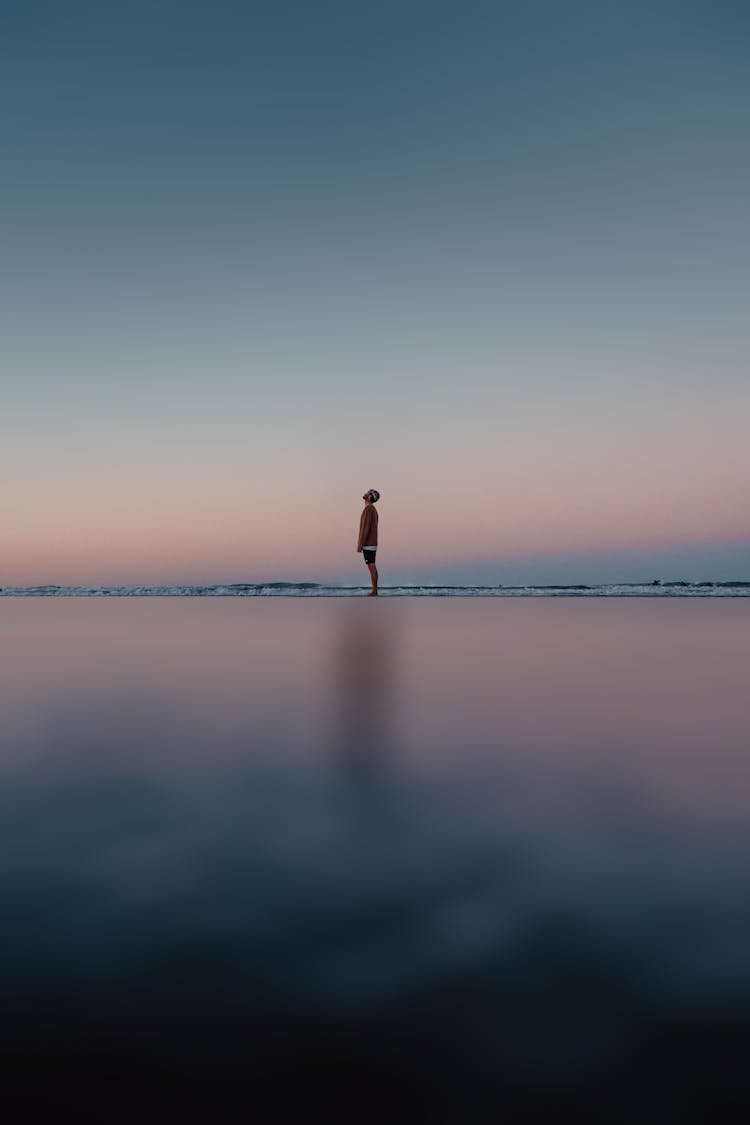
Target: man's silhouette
point(368, 536)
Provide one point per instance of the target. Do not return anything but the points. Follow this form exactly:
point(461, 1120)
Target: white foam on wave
point(315, 590)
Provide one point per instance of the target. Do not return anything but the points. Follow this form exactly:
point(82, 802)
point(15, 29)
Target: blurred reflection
point(364, 678)
point(196, 905)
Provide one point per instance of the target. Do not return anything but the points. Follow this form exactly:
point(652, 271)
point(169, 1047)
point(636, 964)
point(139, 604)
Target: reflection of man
point(365, 681)
point(368, 536)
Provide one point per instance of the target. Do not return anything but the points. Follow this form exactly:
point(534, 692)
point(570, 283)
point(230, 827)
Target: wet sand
point(452, 858)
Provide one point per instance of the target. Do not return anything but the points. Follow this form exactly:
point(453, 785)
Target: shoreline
point(737, 589)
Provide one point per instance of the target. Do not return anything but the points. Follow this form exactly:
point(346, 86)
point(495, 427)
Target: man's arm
point(365, 521)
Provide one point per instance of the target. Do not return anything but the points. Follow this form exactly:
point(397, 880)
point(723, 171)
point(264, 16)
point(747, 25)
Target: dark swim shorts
point(369, 554)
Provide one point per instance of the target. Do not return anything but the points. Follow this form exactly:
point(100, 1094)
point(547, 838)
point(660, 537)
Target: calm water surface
point(447, 857)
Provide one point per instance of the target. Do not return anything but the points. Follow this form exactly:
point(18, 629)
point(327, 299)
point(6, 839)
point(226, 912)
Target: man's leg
point(374, 576)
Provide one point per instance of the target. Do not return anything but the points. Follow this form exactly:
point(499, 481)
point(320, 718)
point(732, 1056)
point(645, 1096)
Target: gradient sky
point(490, 258)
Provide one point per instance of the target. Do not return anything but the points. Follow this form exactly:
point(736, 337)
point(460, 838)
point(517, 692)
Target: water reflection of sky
point(513, 833)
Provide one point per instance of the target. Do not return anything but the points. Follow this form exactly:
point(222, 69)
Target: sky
point(492, 259)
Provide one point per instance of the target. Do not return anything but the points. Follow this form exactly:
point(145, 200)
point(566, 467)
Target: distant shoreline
point(737, 589)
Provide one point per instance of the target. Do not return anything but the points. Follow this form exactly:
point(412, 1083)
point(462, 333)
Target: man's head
point(371, 496)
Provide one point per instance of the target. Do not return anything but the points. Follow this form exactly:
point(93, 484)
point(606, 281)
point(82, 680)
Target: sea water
point(449, 857)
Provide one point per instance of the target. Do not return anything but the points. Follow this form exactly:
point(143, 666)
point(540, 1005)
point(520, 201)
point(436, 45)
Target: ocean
point(734, 589)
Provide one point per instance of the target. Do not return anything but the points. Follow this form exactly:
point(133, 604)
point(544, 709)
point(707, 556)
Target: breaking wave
point(733, 589)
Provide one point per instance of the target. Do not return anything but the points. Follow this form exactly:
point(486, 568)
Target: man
point(368, 536)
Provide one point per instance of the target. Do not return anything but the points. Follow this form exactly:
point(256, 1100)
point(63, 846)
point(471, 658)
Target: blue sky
point(490, 258)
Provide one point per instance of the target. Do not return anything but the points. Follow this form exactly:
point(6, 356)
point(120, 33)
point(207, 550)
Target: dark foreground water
point(438, 860)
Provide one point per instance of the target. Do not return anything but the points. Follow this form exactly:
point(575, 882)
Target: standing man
point(368, 536)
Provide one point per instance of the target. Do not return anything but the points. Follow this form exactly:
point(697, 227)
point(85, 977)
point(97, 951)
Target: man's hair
point(375, 494)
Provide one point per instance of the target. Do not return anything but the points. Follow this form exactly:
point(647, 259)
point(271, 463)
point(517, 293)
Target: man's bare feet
point(373, 594)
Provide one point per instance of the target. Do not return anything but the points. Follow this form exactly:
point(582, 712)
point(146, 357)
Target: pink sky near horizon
point(200, 502)
point(186, 535)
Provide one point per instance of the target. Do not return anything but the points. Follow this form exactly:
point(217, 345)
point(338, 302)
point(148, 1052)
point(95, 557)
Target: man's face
point(367, 496)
